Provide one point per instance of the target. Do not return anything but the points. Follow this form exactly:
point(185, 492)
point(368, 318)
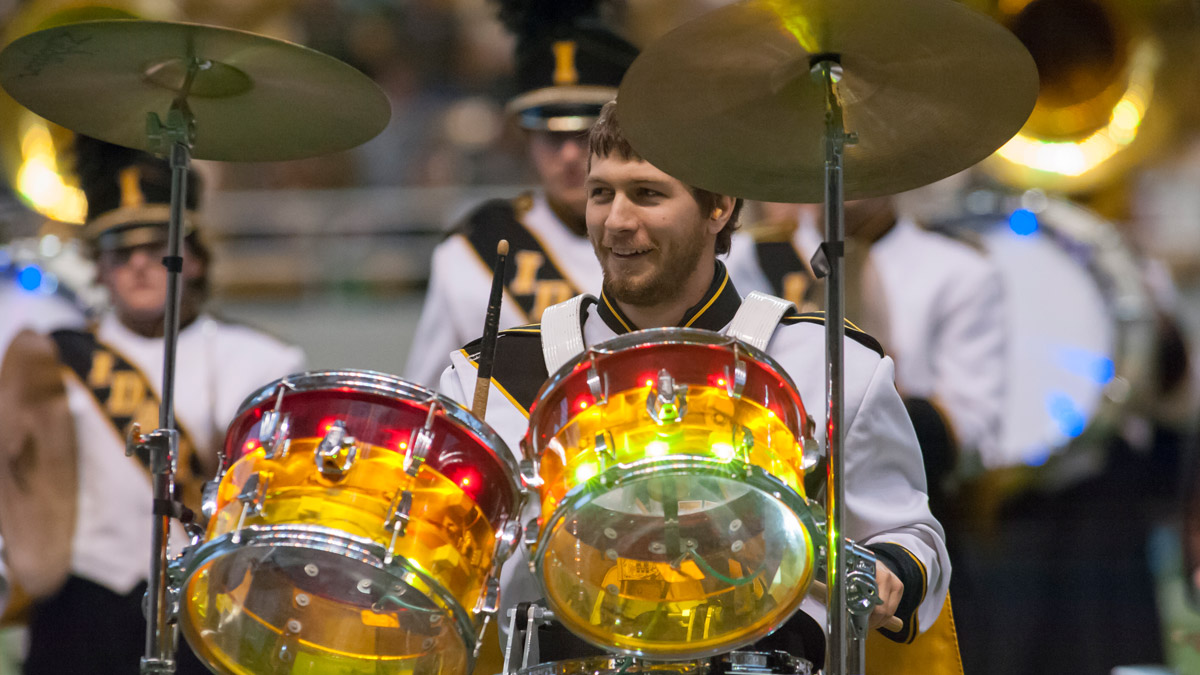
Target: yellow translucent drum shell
point(447, 535)
point(715, 427)
point(735, 563)
point(447, 538)
point(274, 623)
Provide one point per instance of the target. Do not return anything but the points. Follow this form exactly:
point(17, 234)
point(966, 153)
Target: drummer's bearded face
point(137, 286)
point(654, 243)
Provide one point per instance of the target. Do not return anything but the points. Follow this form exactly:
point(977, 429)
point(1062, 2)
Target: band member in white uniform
point(657, 240)
point(936, 304)
point(76, 511)
point(566, 71)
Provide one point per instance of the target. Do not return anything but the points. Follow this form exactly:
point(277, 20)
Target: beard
point(663, 283)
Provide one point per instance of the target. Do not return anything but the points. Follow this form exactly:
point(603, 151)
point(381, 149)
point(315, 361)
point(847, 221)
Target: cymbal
point(727, 103)
point(255, 98)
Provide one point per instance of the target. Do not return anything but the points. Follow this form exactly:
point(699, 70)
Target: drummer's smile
point(627, 253)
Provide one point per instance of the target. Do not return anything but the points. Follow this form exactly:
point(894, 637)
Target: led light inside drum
point(673, 518)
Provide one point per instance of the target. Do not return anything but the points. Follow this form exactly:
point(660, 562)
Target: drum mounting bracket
point(667, 401)
point(337, 452)
point(422, 441)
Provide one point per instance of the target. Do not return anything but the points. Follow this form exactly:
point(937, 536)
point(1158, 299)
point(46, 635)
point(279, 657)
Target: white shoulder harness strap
point(562, 332)
point(562, 326)
point(757, 318)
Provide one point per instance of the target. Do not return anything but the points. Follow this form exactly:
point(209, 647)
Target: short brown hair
point(606, 139)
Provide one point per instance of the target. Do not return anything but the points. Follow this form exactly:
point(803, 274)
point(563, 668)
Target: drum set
point(358, 523)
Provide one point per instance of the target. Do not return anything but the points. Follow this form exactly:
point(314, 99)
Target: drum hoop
point(681, 465)
point(793, 665)
point(373, 382)
point(328, 540)
point(651, 337)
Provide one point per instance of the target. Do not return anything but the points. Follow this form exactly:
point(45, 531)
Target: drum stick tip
point(502, 247)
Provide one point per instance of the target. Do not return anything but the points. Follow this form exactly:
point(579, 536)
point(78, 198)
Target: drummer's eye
point(647, 193)
point(597, 193)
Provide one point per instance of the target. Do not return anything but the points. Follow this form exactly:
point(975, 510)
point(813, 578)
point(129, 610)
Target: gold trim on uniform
point(697, 315)
point(499, 387)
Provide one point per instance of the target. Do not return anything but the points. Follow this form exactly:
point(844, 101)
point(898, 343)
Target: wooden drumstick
point(491, 325)
point(821, 592)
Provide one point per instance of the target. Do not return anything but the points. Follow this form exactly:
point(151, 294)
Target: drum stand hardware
point(489, 602)
point(846, 651)
point(273, 434)
point(162, 447)
point(813, 452)
point(597, 386)
point(208, 499)
point(252, 496)
point(422, 440)
point(397, 520)
point(604, 445)
point(735, 384)
point(336, 452)
point(274, 427)
point(531, 615)
point(862, 591)
point(666, 402)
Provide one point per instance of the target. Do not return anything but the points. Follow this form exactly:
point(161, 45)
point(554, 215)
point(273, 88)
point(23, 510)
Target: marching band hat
point(568, 64)
point(129, 196)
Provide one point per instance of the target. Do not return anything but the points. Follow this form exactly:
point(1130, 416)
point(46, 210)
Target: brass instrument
point(1100, 104)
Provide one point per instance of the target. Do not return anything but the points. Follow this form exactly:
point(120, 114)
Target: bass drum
point(1079, 320)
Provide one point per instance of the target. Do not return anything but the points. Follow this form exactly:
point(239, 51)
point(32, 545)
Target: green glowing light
point(585, 471)
point(723, 451)
point(657, 448)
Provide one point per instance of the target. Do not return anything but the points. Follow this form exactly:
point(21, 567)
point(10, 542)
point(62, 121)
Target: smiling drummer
point(657, 241)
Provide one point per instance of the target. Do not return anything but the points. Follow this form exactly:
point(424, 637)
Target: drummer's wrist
point(911, 572)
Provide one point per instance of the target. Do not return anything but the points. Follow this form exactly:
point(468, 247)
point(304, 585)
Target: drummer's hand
point(890, 591)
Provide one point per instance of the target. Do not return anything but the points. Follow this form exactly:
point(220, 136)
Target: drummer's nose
point(622, 214)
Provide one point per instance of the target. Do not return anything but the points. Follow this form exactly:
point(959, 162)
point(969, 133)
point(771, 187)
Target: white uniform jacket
point(547, 263)
point(945, 317)
point(218, 364)
point(886, 501)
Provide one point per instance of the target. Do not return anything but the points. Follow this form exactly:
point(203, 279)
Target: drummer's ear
point(720, 213)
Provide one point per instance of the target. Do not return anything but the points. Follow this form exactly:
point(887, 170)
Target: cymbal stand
point(847, 623)
point(162, 444)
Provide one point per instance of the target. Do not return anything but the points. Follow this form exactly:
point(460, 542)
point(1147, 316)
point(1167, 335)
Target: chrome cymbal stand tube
point(161, 606)
point(847, 622)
